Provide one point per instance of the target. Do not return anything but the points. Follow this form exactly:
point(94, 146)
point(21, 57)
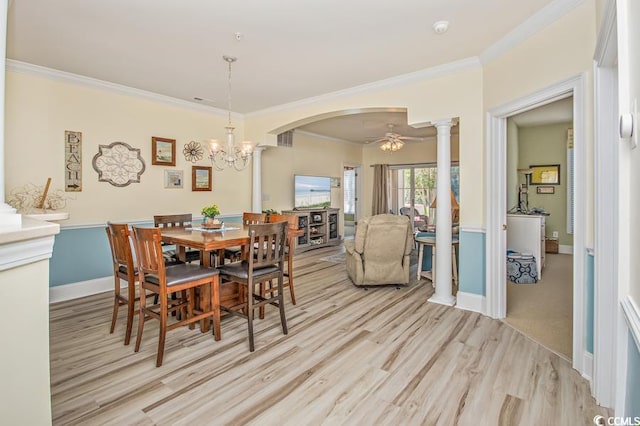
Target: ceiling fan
point(392, 141)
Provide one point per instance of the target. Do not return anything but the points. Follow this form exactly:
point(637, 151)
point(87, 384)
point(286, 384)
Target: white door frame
point(496, 246)
point(606, 227)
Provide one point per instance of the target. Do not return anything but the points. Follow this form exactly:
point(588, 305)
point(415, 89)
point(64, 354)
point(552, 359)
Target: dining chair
point(292, 221)
point(264, 263)
point(118, 236)
point(176, 221)
point(234, 253)
point(183, 278)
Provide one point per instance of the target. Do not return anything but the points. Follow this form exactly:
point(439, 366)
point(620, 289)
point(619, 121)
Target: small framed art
point(163, 151)
point(201, 178)
point(548, 174)
point(173, 179)
point(546, 190)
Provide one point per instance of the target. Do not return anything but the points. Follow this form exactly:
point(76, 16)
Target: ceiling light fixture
point(230, 155)
point(392, 145)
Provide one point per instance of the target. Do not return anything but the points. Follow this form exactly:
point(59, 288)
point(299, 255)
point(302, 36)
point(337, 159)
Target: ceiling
point(287, 50)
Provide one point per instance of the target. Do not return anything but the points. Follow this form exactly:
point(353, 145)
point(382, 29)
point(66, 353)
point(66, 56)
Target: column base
point(442, 300)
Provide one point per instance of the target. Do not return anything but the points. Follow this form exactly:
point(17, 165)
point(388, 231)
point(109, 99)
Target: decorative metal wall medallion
point(118, 164)
point(73, 161)
point(193, 151)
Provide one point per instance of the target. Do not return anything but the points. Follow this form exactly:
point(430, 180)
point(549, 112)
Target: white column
point(443, 217)
point(256, 201)
point(8, 216)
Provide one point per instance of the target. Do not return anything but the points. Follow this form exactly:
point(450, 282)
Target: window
point(415, 186)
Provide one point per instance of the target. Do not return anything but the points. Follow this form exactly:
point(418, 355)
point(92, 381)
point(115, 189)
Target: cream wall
point(309, 155)
point(562, 50)
point(39, 110)
point(456, 95)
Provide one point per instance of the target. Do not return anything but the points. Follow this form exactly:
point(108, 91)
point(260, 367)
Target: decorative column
point(8, 216)
point(256, 201)
point(443, 217)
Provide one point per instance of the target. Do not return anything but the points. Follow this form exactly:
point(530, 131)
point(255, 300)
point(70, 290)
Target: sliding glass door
point(413, 190)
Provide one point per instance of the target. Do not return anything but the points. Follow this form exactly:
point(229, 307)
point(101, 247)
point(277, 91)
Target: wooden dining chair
point(176, 221)
point(118, 236)
point(234, 254)
point(183, 278)
point(264, 264)
point(267, 287)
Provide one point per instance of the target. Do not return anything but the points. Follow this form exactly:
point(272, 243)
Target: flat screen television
point(312, 192)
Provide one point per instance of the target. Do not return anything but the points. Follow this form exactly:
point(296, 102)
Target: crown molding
point(400, 80)
point(545, 16)
point(67, 77)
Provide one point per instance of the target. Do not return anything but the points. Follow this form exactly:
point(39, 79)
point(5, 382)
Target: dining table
point(215, 240)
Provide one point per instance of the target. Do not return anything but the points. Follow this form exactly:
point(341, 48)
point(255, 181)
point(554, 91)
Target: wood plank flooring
point(352, 356)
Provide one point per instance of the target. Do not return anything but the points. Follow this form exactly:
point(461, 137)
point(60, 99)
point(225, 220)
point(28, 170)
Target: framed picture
point(163, 151)
point(173, 178)
point(548, 174)
point(546, 190)
point(201, 178)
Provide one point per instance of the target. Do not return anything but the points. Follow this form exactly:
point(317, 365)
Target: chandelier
point(392, 145)
point(230, 155)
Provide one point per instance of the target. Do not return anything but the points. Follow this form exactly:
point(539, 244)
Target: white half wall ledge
point(471, 302)
point(28, 243)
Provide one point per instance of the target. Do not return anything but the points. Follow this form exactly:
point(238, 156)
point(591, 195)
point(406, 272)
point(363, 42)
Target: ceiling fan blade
point(375, 141)
point(410, 138)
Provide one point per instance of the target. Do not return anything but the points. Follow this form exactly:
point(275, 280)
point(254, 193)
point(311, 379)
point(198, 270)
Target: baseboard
point(64, 292)
point(587, 368)
point(471, 302)
point(565, 249)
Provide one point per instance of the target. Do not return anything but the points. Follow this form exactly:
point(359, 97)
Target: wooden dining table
point(212, 240)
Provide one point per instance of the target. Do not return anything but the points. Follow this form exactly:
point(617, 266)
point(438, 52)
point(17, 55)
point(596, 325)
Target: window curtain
point(380, 202)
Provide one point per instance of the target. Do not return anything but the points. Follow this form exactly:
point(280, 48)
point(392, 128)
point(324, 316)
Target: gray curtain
point(380, 202)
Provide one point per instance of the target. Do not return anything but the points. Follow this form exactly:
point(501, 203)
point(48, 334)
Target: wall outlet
point(555, 234)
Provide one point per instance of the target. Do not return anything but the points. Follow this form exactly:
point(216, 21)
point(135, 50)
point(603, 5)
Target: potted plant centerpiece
point(209, 214)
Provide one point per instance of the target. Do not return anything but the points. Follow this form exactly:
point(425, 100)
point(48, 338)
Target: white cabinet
point(525, 234)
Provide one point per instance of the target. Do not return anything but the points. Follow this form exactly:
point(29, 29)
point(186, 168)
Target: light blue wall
point(83, 254)
point(472, 263)
point(590, 295)
point(633, 380)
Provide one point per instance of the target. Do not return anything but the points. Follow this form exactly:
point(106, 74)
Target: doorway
point(496, 203)
point(540, 283)
point(350, 179)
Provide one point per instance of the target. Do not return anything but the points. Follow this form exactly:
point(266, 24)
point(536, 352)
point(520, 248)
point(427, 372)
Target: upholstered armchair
point(380, 253)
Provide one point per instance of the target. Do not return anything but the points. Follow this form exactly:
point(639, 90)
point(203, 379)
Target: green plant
point(210, 211)
point(270, 211)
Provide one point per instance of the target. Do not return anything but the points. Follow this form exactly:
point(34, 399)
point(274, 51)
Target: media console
point(319, 227)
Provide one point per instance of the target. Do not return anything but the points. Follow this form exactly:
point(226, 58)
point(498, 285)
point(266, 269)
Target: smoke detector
point(441, 27)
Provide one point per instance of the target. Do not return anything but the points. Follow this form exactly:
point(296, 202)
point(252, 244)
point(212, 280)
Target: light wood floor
point(382, 356)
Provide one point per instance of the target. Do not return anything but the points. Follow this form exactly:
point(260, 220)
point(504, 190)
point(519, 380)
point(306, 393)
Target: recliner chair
point(381, 251)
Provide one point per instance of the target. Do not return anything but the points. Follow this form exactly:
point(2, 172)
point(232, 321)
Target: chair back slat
point(149, 252)
point(249, 218)
point(269, 240)
point(173, 220)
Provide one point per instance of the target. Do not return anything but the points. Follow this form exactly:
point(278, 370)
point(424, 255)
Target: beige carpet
point(544, 311)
